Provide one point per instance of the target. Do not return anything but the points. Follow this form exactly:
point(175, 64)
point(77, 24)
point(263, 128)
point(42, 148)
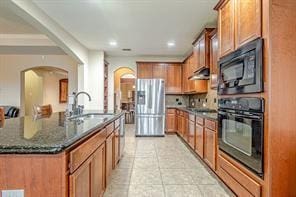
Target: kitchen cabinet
point(171, 120)
point(191, 133)
point(226, 27)
point(239, 22)
point(185, 124)
point(89, 178)
point(248, 21)
point(199, 140)
point(109, 157)
point(214, 59)
point(116, 139)
point(210, 145)
point(158, 71)
point(144, 70)
point(180, 124)
point(98, 169)
point(174, 79)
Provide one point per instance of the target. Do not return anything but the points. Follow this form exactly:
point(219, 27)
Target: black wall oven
point(241, 71)
point(241, 131)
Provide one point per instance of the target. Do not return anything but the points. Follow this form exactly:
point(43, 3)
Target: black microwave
point(241, 71)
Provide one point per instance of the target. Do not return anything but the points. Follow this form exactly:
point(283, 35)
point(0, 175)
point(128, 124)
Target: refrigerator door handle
point(150, 97)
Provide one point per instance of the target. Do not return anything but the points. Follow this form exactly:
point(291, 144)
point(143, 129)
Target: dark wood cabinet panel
point(199, 140)
point(214, 46)
point(210, 145)
point(144, 70)
point(248, 21)
point(202, 53)
point(226, 27)
point(174, 78)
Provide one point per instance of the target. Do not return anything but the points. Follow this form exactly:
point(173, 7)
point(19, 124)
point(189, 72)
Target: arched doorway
point(124, 92)
point(44, 86)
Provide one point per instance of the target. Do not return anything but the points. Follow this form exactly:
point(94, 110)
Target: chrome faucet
point(78, 109)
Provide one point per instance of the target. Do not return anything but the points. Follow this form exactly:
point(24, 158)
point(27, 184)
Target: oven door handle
point(252, 116)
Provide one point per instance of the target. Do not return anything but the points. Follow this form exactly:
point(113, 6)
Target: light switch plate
point(13, 193)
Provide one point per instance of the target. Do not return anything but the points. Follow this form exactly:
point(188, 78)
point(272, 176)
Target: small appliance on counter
point(240, 132)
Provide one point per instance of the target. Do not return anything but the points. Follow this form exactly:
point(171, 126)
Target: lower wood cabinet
point(180, 125)
point(109, 157)
point(191, 134)
point(210, 147)
point(116, 142)
point(89, 178)
point(199, 140)
point(171, 121)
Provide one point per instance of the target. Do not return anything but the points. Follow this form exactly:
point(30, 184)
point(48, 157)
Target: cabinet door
point(210, 148)
point(248, 21)
point(98, 171)
point(202, 52)
point(199, 140)
point(80, 180)
point(159, 71)
point(214, 54)
point(226, 27)
point(174, 78)
point(185, 123)
point(191, 134)
point(115, 148)
point(196, 55)
point(144, 71)
point(109, 157)
point(180, 125)
point(185, 78)
point(170, 123)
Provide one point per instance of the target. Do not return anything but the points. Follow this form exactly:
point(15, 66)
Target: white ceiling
point(145, 26)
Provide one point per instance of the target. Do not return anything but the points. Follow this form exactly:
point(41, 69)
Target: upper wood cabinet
point(226, 27)
point(158, 71)
point(201, 50)
point(170, 72)
point(239, 22)
point(174, 78)
point(248, 21)
point(144, 70)
point(214, 48)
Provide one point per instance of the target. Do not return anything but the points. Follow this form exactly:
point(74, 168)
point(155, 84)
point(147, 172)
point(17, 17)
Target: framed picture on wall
point(63, 90)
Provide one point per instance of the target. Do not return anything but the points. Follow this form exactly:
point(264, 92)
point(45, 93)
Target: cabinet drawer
point(199, 120)
point(210, 124)
point(240, 177)
point(192, 117)
point(117, 123)
point(82, 152)
point(171, 111)
point(110, 128)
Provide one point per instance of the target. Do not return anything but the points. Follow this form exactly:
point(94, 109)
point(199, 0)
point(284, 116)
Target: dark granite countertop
point(26, 135)
point(207, 115)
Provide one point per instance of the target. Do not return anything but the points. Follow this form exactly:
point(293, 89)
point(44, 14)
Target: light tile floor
point(162, 167)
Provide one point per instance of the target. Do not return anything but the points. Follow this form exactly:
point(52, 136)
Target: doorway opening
point(124, 93)
point(44, 86)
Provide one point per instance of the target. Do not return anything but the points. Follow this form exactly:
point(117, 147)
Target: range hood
point(201, 74)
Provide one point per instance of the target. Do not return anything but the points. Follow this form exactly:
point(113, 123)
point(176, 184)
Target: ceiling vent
point(126, 49)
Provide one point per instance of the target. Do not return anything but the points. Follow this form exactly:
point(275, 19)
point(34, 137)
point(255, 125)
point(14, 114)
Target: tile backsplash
point(208, 100)
point(171, 100)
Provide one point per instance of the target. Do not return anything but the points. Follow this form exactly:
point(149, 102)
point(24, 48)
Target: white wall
point(130, 62)
point(94, 80)
point(11, 67)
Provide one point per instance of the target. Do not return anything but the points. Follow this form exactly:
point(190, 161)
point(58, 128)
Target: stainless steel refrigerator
point(150, 107)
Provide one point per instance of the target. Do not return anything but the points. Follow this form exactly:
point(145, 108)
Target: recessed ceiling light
point(113, 43)
point(171, 44)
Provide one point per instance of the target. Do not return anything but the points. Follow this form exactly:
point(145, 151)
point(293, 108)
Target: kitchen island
point(55, 156)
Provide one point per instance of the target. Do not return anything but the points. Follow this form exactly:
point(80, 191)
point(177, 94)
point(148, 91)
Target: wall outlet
point(13, 193)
